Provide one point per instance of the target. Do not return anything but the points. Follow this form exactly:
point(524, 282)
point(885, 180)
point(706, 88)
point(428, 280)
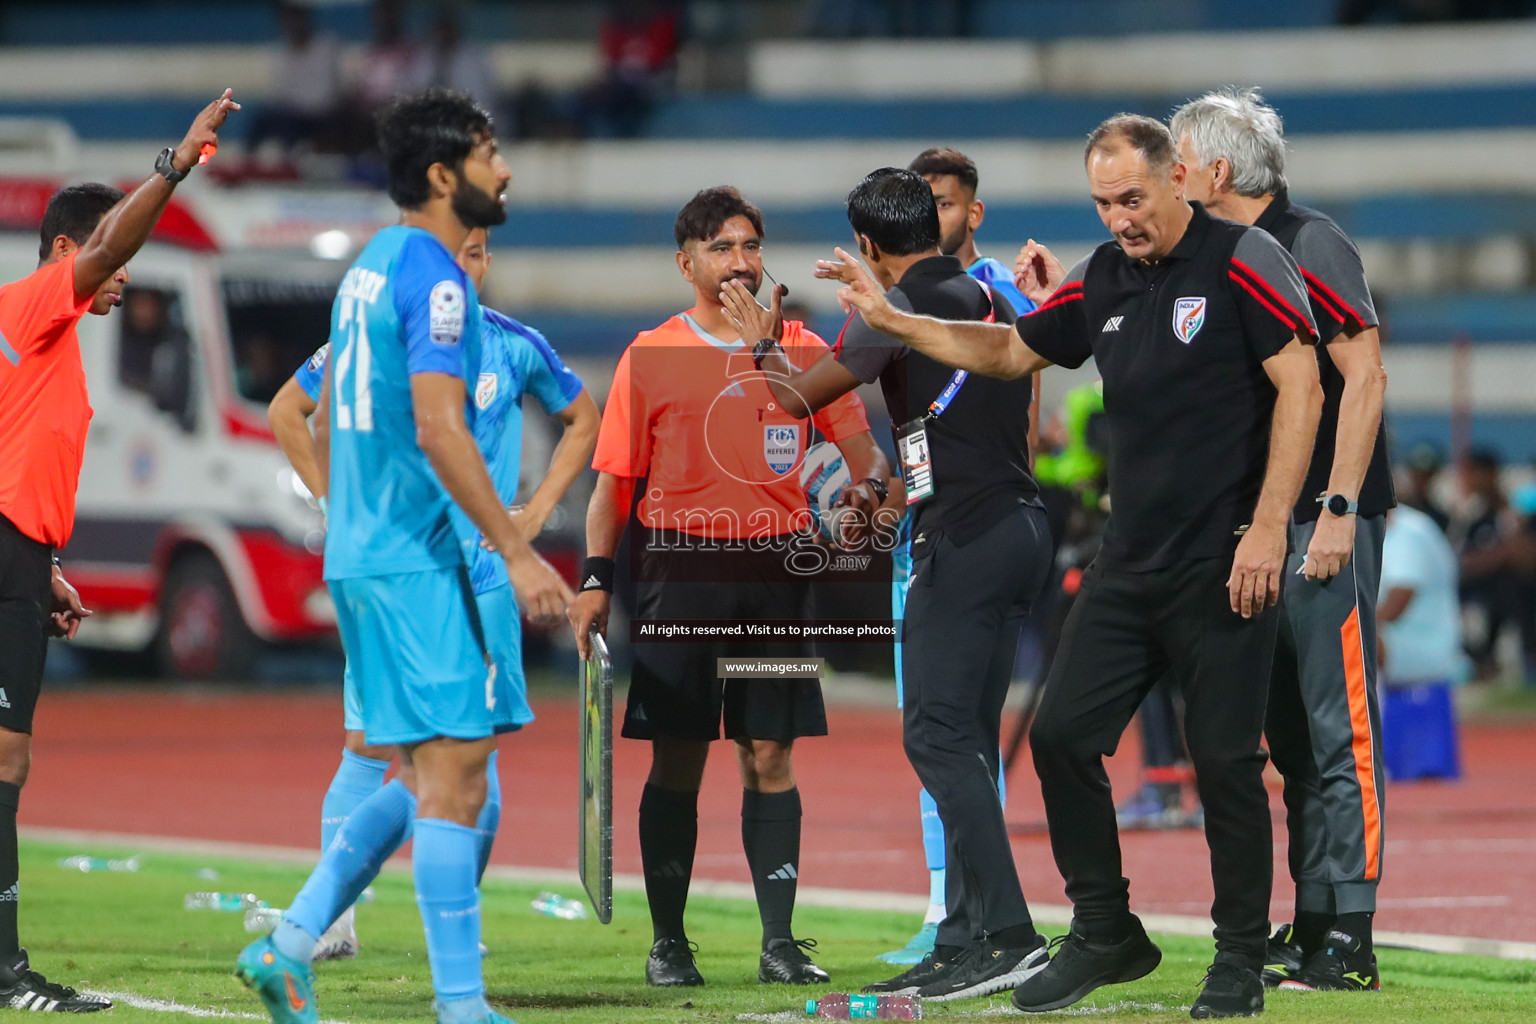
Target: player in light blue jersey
point(393, 434)
point(953, 178)
point(515, 360)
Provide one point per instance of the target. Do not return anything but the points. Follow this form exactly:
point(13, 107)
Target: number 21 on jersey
point(353, 395)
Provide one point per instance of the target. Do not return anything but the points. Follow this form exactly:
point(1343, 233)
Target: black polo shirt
point(1341, 300)
point(1181, 346)
point(980, 444)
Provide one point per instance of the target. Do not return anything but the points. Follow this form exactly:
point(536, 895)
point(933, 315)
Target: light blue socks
point(374, 830)
point(357, 778)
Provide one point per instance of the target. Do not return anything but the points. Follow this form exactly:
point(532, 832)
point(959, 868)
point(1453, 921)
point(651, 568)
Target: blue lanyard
point(938, 405)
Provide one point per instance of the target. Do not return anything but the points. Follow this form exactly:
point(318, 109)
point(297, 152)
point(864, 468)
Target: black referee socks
point(770, 835)
point(10, 871)
point(669, 834)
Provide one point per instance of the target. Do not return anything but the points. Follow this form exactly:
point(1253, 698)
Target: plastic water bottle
point(231, 901)
point(553, 904)
point(262, 920)
point(842, 1006)
point(88, 864)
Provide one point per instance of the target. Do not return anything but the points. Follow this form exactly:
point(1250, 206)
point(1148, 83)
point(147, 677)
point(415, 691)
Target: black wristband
point(56, 562)
point(597, 574)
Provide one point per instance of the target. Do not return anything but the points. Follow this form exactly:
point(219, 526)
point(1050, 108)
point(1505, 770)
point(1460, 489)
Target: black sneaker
point(928, 969)
point(671, 964)
point(22, 988)
point(1230, 990)
point(985, 968)
point(1340, 966)
point(913, 978)
point(785, 962)
point(1282, 957)
point(1079, 966)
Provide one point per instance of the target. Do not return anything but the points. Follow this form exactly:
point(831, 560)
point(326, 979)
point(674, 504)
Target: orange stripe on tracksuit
point(1361, 745)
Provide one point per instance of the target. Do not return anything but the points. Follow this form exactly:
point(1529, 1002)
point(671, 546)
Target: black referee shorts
point(675, 688)
point(26, 599)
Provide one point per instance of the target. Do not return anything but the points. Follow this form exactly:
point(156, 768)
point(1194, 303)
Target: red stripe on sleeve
point(1068, 292)
point(838, 347)
point(1318, 298)
point(1315, 284)
point(1262, 300)
point(1269, 289)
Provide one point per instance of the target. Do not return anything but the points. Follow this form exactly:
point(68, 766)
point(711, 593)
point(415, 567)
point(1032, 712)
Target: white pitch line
point(1441, 902)
point(1452, 847)
point(1079, 1011)
point(809, 896)
point(787, 1016)
point(139, 1002)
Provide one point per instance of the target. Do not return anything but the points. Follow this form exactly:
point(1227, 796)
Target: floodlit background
point(1412, 122)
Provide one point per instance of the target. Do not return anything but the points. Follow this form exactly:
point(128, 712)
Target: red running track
point(1461, 857)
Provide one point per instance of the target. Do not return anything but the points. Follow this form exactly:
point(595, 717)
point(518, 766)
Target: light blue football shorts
point(416, 662)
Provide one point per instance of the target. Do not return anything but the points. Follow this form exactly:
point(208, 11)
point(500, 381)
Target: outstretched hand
point(744, 311)
point(202, 139)
point(1037, 272)
point(860, 291)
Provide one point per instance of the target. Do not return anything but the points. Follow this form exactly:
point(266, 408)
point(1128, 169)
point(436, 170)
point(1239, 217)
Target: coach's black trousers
point(1125, 630)
point(965, 608)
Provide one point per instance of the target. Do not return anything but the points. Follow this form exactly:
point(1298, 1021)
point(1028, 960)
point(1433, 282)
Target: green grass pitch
point(128, 933)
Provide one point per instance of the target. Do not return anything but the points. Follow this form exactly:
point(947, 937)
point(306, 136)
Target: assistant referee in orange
point(691, 416)
point(89, 232)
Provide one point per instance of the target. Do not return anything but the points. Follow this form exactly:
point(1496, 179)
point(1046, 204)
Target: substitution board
point(596, 813)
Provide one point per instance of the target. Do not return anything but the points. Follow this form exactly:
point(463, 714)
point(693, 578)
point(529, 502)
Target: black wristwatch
point(878, 486)
point(166, 168)
point(1340, 505)
point(762, 348)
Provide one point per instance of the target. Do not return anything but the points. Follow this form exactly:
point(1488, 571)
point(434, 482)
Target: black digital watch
point(166, 167)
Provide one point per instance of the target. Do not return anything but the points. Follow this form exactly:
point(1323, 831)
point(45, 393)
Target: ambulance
point(195, 544)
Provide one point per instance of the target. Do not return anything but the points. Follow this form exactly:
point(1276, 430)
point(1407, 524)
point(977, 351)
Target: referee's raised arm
point(993, 350)
point(127, 226)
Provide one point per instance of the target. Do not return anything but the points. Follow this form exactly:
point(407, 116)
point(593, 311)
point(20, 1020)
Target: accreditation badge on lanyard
point(912, 437)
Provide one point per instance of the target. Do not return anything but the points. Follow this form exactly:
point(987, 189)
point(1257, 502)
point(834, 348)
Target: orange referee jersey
point(44, 409)
point(695, 415)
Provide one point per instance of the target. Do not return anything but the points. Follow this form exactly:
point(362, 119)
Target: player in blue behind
point(952, 176)
point(515, 360)
point(394, 437)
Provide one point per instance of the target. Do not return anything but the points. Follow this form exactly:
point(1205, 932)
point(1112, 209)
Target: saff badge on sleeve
point(1188, 318)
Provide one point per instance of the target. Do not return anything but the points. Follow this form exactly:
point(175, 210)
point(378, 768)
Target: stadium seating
point(1420, 140)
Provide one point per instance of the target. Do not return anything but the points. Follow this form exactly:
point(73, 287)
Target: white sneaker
point(340, 940)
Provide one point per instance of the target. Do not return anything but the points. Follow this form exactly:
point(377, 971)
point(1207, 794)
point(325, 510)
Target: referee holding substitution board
point(89, 233)
point(1201, 331)
point(691, 415)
